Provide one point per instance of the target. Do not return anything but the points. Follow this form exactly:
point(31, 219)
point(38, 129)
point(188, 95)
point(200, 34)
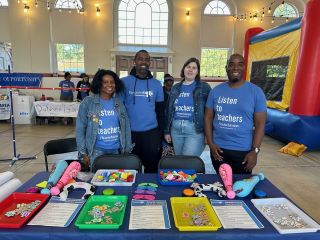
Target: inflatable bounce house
point(285, 62)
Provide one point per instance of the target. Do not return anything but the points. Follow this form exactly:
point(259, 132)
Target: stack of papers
point(149, 215)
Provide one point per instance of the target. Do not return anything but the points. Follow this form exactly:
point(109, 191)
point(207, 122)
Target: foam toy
point(70, 173)
point(225, 172)
point(90, 189)
point(243, 187)
point(43, 184)
point(55, 176)
point(215, 187)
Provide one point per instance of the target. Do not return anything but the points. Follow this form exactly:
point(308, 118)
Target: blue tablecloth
point(164, 192)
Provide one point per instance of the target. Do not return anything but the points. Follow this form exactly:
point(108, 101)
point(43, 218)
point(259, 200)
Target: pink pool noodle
point(225, 172)
point(70, 173)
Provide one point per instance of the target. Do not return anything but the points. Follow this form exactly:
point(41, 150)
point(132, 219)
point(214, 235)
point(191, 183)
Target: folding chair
point(117, 161)
point(182, 162)
point(58, 146)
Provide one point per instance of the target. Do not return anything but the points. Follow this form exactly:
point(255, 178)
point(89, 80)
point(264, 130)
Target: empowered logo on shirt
point(227, 120)
point(141, 93)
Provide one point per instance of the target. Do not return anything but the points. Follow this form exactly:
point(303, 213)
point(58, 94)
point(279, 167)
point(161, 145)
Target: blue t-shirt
point(109, 130)
point(183, 105)
point(66, 84)
point(234, 110)
point(84, 93)
point(140, 103)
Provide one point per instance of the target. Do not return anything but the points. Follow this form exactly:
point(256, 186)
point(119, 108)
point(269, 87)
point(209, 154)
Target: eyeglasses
point(143, 197)
point(148, 184)
point(147, 188)
point(145, 192)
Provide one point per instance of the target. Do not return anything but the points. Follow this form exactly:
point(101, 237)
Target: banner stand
point(15, 156)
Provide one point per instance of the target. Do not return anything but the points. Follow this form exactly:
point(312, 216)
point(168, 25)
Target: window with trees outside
point(68, 4)
point(213, 62)
point(217, 7)
point(3, 3)
point(143, 22)
point(70, 57)
point(286, 10)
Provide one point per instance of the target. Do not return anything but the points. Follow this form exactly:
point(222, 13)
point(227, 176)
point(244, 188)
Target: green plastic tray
point(117, 217)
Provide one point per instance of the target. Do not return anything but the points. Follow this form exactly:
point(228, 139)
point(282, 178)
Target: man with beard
point(234, 120)
point(144, 103)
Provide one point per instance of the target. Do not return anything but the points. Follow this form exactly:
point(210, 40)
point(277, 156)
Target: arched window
point(143, 22)
point(68, 4)
point(217, 7)
point(3, 3)
point(286, 10)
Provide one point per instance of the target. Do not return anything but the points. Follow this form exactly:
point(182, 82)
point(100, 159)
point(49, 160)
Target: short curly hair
point(97, 81)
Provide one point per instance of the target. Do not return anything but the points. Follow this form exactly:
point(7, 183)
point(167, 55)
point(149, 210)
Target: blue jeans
point(98, 152)
point(185, 139)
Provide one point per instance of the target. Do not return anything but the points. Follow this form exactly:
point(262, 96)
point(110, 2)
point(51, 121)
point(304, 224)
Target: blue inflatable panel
point(287, 127)
point(277, 31)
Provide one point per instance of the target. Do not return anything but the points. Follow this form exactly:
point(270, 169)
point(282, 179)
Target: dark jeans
point(233, 158)
point(147, 147)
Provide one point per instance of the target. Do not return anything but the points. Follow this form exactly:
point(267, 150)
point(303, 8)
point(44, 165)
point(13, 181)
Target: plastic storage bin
point(10, 204)
point(106, 205)
point(106, 172)
point(168, 182)
point(183, 208)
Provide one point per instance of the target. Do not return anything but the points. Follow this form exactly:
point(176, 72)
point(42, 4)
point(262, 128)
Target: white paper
point(235, 214)
point(57, 213)
point(149, 215)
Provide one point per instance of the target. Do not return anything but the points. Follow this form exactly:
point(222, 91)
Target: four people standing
point(232, 116)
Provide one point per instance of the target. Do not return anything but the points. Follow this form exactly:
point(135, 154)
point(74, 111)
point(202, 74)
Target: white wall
point(33, 36)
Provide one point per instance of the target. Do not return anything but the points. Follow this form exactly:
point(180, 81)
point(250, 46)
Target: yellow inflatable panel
point(281, 46)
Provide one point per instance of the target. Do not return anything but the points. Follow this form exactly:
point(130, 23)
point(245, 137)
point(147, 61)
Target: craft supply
point(33, 190)
point(143, 197)
point(148, 185)
point(17, 209)
point(90, 189)
point(102, 212)
point(194, 214)
point(244, 187)
point(177, 176)
point(113, 177)
point(285, 216)
point(215, 187)
point(108, 191)
point(55, 176)
point(70, 173)
point(259, 194)
point(225, 172)
point(188, 192)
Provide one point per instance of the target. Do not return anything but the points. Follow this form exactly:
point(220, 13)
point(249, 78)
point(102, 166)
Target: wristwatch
point(256, 150)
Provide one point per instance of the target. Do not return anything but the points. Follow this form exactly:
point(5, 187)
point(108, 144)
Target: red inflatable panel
point(305, 98)
point(249, 33)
